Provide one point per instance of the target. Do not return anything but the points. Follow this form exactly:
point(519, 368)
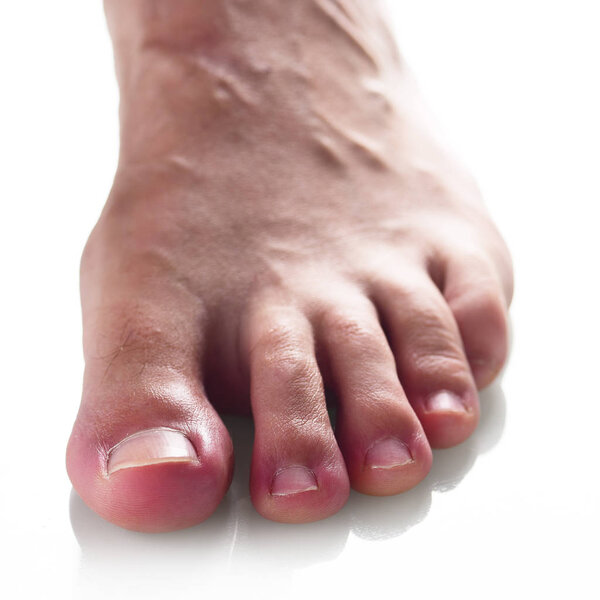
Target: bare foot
point(282, 219)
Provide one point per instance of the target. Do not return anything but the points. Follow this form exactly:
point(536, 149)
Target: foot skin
point(282, 221)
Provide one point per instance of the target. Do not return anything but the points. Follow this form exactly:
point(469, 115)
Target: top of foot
point(282, 221)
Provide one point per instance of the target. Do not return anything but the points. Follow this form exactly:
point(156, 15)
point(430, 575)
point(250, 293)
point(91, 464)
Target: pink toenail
point(293, 480)
point(388, 454)
point(151, 447)
point(445, 402)
point(484, 371)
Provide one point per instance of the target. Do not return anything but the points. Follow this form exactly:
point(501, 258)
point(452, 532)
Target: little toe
point(430, 358)
point(147, 451)
point(298, 473)
point(381, 438)
point(478, 299)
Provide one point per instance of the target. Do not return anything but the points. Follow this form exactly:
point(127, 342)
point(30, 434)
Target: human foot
point(281, 217)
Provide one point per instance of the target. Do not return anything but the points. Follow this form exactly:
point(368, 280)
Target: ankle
point(281, 28)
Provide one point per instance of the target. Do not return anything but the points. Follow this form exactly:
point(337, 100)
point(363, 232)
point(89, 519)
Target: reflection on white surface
point(237, 542)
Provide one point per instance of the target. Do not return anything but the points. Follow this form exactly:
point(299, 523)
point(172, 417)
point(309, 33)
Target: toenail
point(480, 363)
point(483, 370)
point(388, 454)
point(151, 447)
point(445, 402)
point(293, 480)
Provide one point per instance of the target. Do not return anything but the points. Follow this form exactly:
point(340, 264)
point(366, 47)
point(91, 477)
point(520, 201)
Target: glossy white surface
point(512, 511)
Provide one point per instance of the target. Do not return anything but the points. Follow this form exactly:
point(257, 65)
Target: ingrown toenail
point(445, 402)
point(151, 447)
point(388, 454)
point(293, 480)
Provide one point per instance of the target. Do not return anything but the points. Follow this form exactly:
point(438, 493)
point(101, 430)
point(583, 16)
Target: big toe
point(154, 466)
point(148, 452)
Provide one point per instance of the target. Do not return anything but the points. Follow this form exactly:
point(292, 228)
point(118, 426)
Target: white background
point(512, 511)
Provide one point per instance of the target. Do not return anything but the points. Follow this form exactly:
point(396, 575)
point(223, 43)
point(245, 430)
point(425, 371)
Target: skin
point(283, 221)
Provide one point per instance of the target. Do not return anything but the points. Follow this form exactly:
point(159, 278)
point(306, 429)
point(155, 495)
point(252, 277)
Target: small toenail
point(483, 370)
point(388, 454)
point(293, 480)
point(445, 402)
point(479, 363)
point(151, 447)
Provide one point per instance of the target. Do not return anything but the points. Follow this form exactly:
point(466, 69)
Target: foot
point(282, 221)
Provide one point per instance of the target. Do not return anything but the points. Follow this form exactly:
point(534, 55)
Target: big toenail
point(388, 454)
point(151, 447)
point(293, 480)
point(445, 402)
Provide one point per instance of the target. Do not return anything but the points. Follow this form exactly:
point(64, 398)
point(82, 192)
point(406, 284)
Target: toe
point(147, 451)
point(430, 358)
point(383, 443)
point(298, 473)
point(478, 301)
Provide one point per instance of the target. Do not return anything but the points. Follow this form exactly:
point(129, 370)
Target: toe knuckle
point(280, 351)
point(447, 362)
point(293, 367)
point(484, 305)
point(429, 325)
point(348, 327)
point(278, 337)
point(429, 319)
